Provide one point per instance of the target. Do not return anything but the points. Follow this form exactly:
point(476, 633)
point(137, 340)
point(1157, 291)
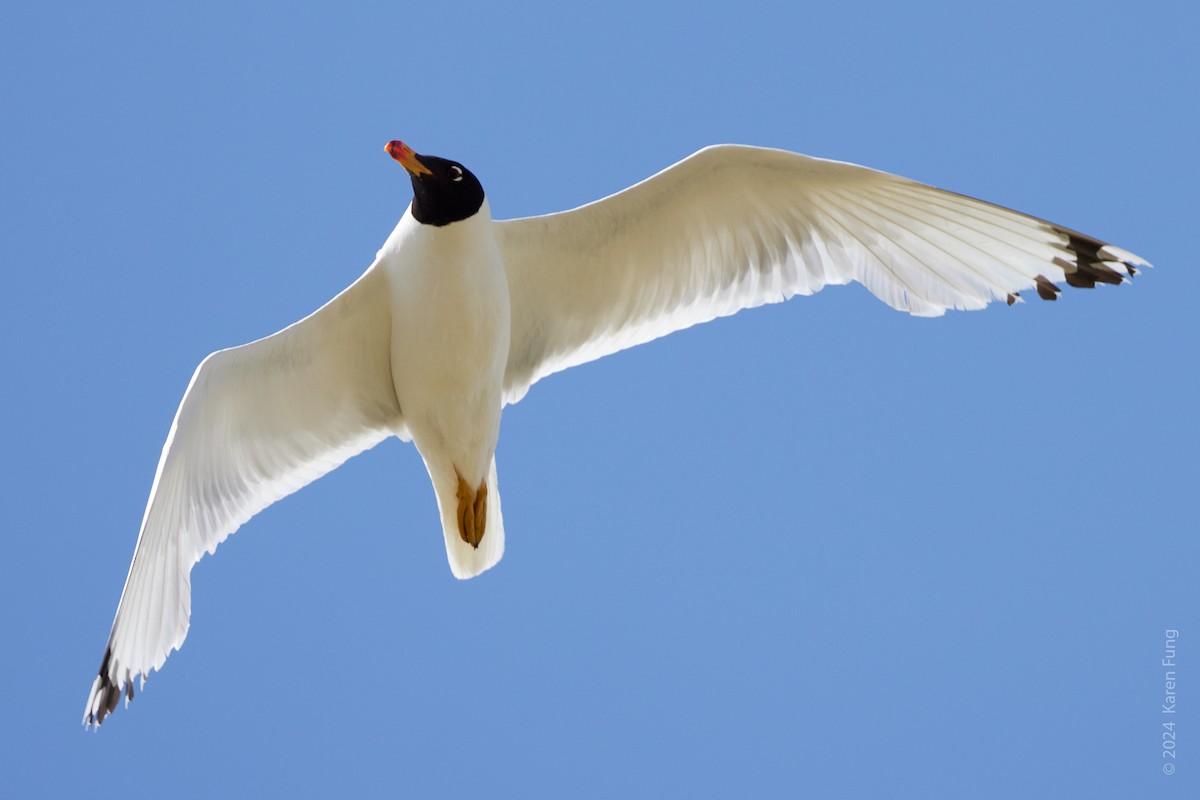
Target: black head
point(443, 191)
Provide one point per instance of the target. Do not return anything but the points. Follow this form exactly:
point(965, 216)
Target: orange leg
point(472, 512)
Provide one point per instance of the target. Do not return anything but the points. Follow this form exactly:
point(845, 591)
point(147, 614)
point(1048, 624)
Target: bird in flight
point(460, 314)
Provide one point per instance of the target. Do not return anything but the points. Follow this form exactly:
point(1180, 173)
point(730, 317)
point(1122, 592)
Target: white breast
point(450, 338)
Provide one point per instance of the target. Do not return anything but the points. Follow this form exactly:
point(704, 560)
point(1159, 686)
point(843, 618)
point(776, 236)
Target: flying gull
point(460, 314)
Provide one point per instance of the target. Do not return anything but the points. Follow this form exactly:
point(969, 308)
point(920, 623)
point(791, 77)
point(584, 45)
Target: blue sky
point(819, 548)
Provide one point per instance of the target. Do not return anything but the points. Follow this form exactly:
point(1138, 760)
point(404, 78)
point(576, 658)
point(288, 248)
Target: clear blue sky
point(817, 549)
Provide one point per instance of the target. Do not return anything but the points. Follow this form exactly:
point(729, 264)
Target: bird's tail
point(466, 559)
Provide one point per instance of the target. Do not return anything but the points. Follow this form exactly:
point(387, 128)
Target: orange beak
point(407, 158)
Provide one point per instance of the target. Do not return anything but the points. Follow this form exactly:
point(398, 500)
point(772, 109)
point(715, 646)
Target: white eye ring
point(455, 173)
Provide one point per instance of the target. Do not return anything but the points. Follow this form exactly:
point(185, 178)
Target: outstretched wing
point(257, 423)
point(734, 227)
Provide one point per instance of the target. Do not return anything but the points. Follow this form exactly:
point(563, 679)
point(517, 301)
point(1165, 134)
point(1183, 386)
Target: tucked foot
point(472, 512)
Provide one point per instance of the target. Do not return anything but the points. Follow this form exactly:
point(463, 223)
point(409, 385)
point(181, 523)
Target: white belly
point(450, 337)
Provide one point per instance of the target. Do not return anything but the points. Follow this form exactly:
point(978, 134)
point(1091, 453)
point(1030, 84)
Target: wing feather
point(256, 423)
point(735, 227)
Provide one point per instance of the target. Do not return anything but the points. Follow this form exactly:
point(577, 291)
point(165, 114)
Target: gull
point(460, 314)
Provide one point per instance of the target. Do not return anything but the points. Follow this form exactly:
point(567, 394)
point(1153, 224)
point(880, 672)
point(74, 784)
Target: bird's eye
point(455, 172)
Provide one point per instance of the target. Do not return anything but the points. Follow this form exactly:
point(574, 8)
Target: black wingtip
point(105, 694)
point(1085, 262)
point(1045, 289)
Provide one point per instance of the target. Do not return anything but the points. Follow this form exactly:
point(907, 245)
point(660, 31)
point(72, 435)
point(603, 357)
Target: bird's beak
point(407, 158)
